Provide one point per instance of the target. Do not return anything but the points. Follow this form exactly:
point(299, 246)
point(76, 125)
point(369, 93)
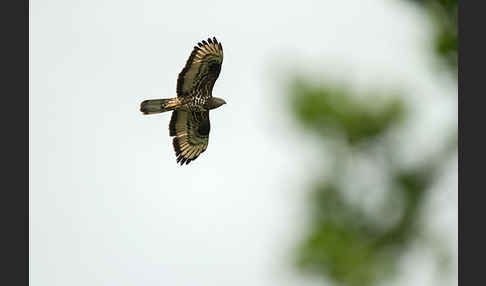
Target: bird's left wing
point(191, 131)
point(202, 68)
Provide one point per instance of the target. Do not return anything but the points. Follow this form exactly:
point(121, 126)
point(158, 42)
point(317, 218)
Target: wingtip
point(209, 41)
point(184, 159)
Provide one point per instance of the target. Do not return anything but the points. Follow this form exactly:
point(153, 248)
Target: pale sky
point(108, 203)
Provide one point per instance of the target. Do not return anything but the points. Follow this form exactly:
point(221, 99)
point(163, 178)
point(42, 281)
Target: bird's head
point(215, 102)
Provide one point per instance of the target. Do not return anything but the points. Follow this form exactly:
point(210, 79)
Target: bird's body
point(190, 123)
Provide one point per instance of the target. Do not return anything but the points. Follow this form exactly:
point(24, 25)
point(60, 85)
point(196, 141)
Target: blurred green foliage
point(332, 109)
point(444, 15)
point(345, 243)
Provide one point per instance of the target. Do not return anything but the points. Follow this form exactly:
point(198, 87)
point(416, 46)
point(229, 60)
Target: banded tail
point(153, 106)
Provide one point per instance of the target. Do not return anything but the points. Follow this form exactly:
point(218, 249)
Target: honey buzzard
point(189, 123)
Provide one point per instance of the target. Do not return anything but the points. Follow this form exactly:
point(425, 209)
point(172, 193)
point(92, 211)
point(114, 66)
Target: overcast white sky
point(108, 203)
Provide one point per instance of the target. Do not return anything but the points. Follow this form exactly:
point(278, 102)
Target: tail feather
point(153, 106)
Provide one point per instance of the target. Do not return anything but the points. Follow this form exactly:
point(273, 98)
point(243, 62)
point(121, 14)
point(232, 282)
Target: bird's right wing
point(191, 131)
point(202, 68)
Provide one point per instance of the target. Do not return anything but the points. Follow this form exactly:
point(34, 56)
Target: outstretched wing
point(191, 131)
point(202, 68)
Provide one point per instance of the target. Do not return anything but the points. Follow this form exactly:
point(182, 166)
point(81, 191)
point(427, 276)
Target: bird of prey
point(189, 124)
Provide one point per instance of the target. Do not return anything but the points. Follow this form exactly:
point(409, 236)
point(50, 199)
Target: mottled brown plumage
point(190, 123)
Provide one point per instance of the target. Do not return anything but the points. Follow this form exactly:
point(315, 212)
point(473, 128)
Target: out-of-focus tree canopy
point(345, 243)
point(444, 15)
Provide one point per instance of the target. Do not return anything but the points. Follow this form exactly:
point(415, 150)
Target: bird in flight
point(189, 124)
